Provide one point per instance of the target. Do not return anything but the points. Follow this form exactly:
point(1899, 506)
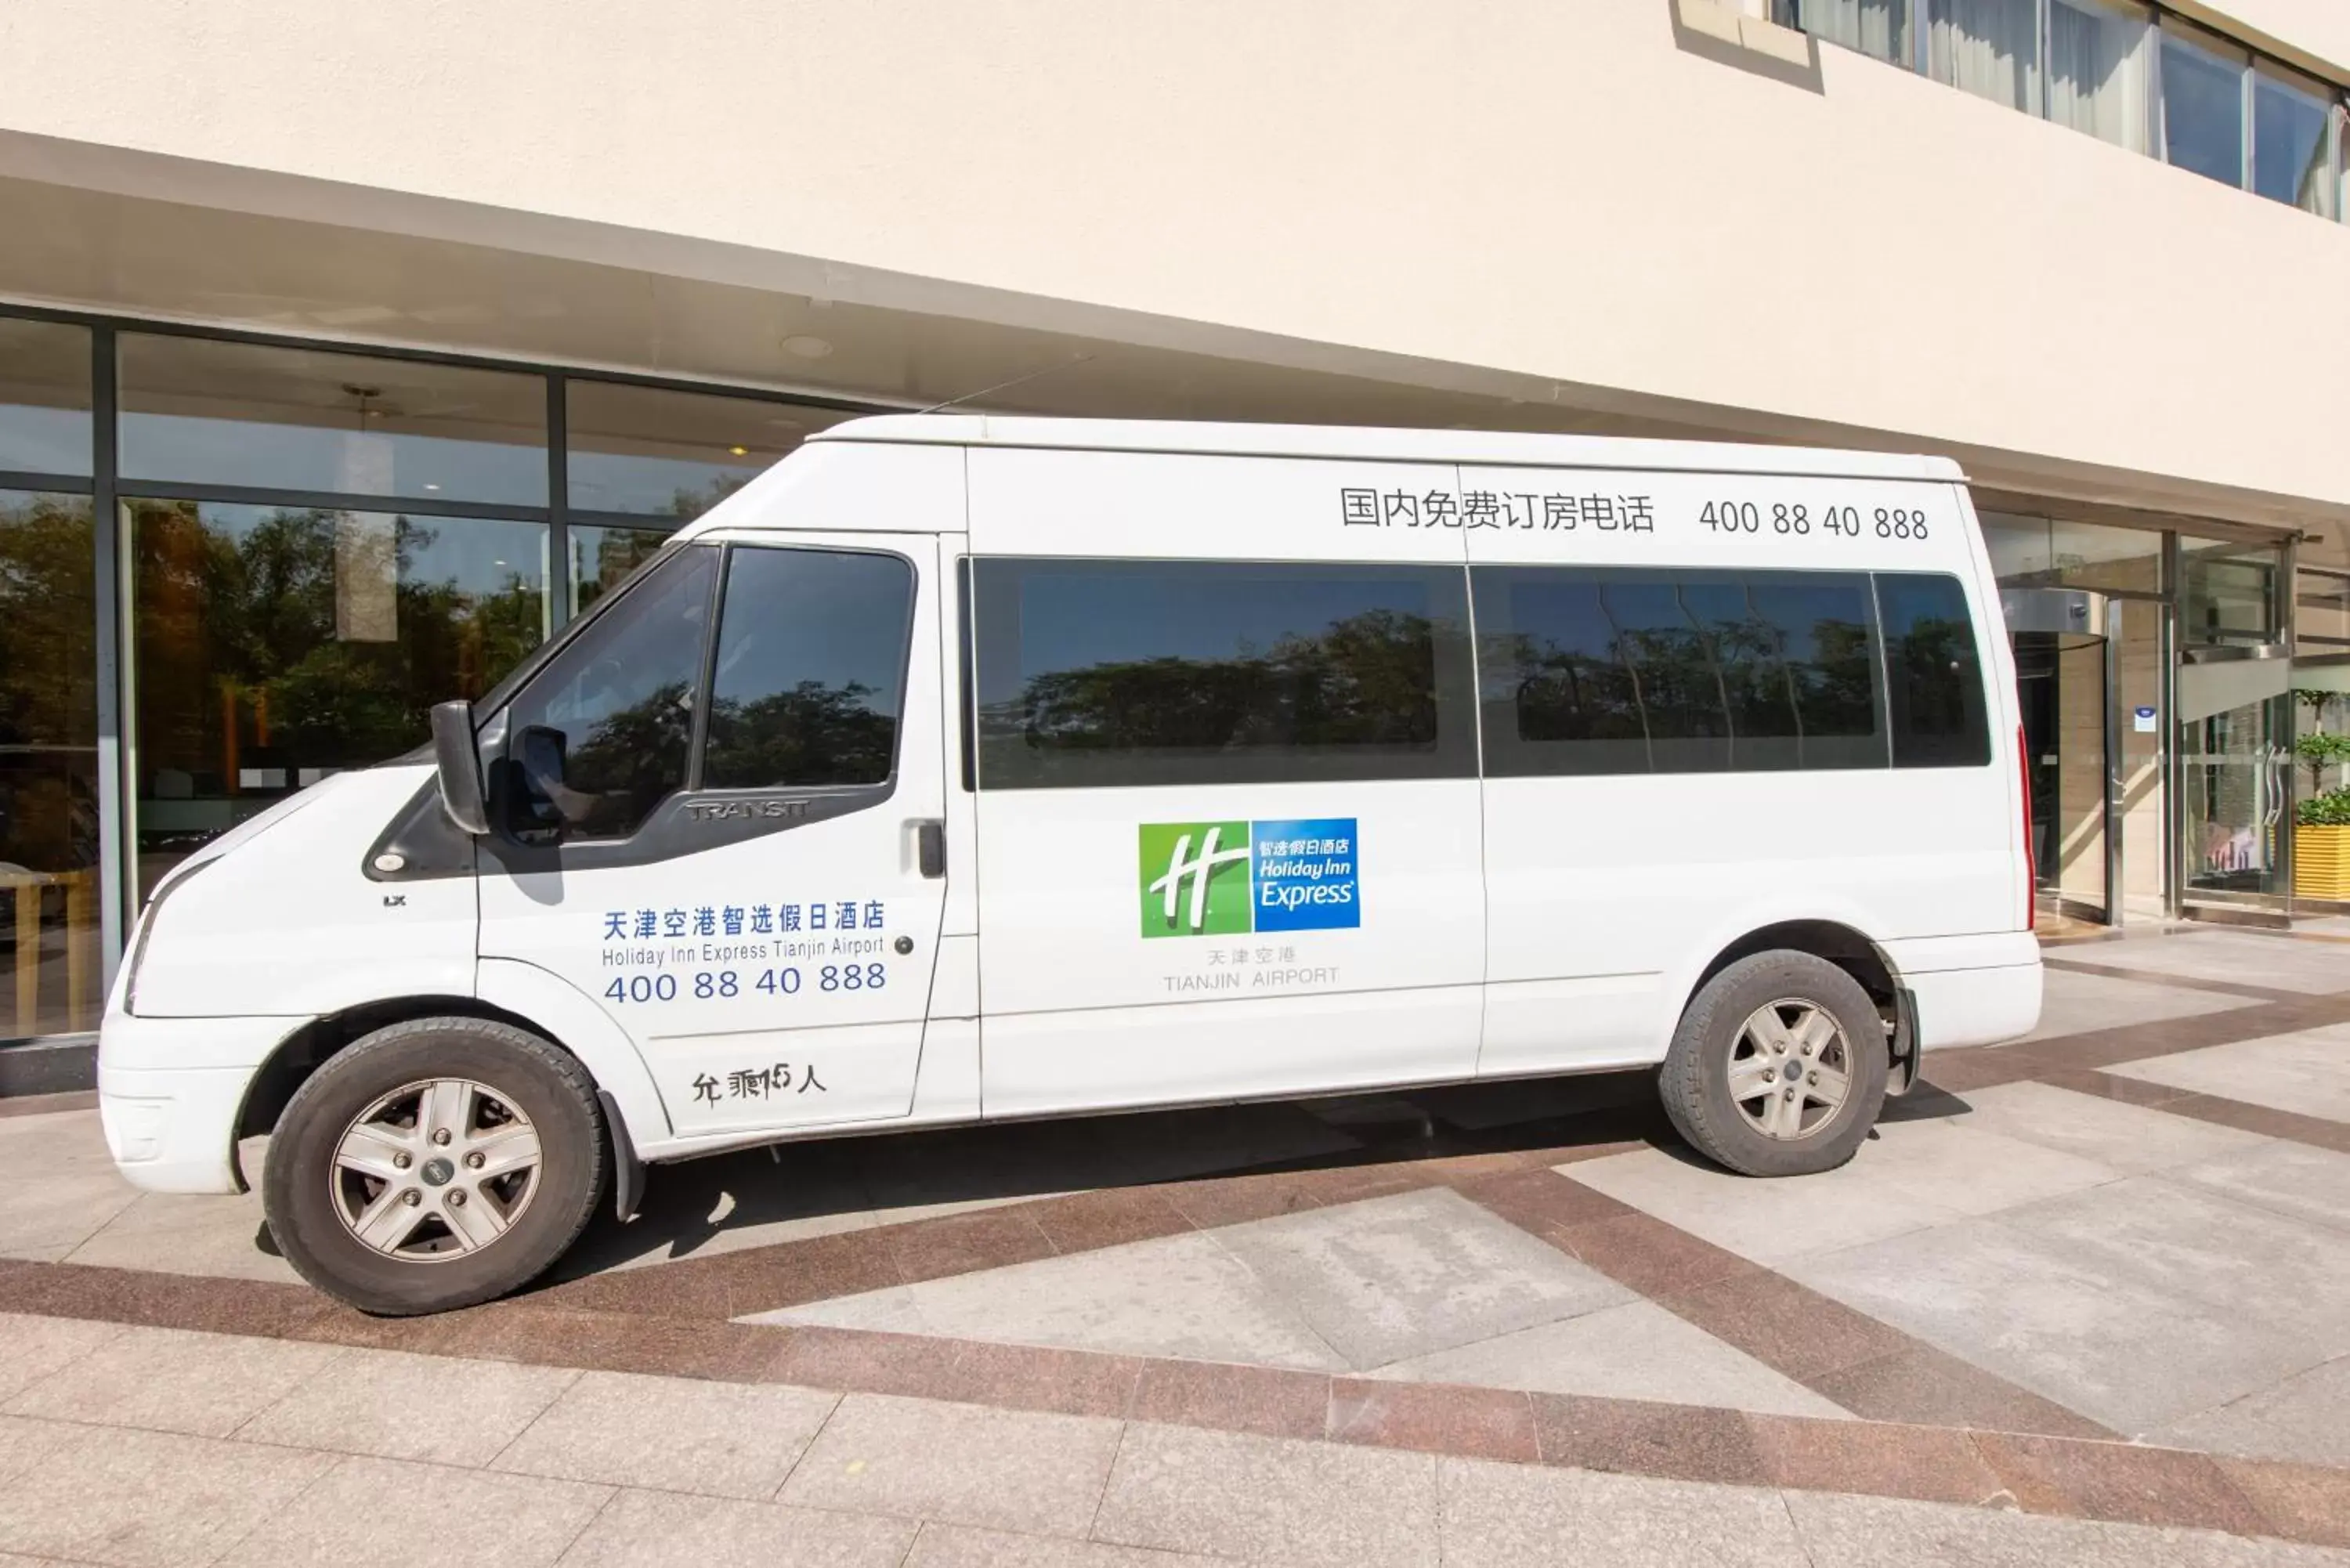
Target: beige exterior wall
point(1567, 200)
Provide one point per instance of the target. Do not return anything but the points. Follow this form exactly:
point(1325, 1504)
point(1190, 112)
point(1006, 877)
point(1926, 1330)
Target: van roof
point(1515, 449)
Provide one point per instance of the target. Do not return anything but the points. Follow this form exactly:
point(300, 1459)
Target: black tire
point(1695, 1080)
point(303, 1196)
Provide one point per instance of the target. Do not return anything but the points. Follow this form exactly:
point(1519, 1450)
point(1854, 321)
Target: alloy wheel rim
point(1790, 1069)
point(436, 1169)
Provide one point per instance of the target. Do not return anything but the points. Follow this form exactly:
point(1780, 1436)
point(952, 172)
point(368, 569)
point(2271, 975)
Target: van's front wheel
point(434, 1164)
point(1778, 1068)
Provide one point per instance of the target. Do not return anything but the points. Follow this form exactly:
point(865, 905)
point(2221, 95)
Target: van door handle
point(930, 848)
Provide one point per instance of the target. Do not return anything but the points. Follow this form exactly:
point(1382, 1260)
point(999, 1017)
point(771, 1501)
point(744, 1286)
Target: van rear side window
point(1614, 672)
point(1121, 673)
point(1934, 672)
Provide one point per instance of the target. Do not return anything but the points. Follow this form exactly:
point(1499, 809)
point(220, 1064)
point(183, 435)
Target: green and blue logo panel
point(1218, 878)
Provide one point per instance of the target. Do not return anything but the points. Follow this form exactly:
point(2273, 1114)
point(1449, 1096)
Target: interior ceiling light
point(806, 346)
point(740, 451)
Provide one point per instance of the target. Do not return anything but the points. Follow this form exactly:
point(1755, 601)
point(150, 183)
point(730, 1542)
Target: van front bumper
point(170, 1091)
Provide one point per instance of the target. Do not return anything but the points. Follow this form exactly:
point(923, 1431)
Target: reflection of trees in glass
point(48, 673)
point(630, 759)
point(1933, 672)
point(809, 736)
point(1368, 679)
point(237, 626)
point(688, 501)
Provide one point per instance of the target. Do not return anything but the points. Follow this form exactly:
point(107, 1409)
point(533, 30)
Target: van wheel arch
point(308, 1048)
point(1837, 944)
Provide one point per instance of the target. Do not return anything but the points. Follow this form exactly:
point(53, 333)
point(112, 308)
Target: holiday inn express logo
point(1215, 878)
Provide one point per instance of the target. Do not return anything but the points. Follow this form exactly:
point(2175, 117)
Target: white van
point(964, 768)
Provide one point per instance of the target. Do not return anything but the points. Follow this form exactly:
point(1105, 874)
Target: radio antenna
point(1014, 381)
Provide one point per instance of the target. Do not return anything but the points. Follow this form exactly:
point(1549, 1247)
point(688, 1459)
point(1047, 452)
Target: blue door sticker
point(1307, 875)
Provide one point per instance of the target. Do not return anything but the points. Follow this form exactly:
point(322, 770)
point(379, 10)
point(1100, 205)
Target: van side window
point(1586, 671)
point(621, 697)
point(811, 668)
point(1933, 672)
point(1102, 673)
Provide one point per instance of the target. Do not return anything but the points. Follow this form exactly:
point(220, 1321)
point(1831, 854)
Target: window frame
point(706, 697)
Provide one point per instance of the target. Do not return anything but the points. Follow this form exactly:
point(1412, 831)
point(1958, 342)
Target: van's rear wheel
point(1778, 1068)
point(434, 1164)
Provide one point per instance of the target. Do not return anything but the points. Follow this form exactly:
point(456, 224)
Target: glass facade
point(229, 568)
point(2114, 69)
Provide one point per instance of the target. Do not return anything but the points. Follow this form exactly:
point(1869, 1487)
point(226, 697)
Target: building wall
point(1564, 193)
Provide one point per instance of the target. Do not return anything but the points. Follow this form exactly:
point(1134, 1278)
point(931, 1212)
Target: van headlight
point(147, 919)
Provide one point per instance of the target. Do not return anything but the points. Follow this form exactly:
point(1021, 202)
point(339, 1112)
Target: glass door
point(2064, 685)
point(2235, 723)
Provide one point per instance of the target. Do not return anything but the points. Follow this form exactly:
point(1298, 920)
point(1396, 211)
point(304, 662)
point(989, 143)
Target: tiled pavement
point(2102, 1276)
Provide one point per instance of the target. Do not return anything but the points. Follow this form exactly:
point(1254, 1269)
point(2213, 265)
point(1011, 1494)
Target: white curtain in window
point(1990, 48)
point(2096, 71)
point(1872, 27)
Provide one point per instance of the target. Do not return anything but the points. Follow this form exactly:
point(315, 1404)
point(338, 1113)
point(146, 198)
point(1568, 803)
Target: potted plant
point(2320, 843)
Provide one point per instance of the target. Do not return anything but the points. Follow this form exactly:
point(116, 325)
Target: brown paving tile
point(160, 1301)
point(763, 1279)
point(613, 1342)
point(2114, 1086)
point(1235, 1200)
point(48, 1104)
point(1645, 1253)
point(1956, 1071)
point(960, 1243)
point(692, 1287)
point(858, 1361)
point(1753, 1310)
point(1337, 1184)
point(2122, 1482)
point(1931, 1464)
point(2316, 1131)
point(2176, 981)
point(2300, 1502)
point(1039, 1377)
point(1268, 1401)
point(1085, 1221)
point(1533, 1199)
point(1434, 1418)
point(1926, 1388)
point(1681, 1443)
point(1593, 1151)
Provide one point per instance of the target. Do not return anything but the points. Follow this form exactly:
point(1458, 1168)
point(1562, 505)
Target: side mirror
point(459, 762)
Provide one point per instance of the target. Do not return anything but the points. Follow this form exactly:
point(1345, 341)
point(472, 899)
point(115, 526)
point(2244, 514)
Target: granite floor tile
point(956, 1546)
point(1754, 1311)
point(1271, 1500)
point(2125, 1483)
point(2126, 1137)
point(217, 1236)
point(670, 1529)
point(1500, 1516)
point(32, 1348)
point(1183, 1296)
point(1268, 1401)
point(1872, 1531)
point(2066, 1323)
point(2305, 1418)
point(1649, 1255)
point(2072, 1003)
point(1407, 1275)
point(135, 1499)
point(1635, 1351)
point(2308, 1071)
point(2288, 1179)
point(2300, 1502)
point(24, 1443)
point(964, 1464)
point(396, 1405)
point(171, 1380)
point(1677, 1442)
point(2227, 957)
point(1436, 1418)
point(46, 1219)
point(2200, 1246)
point(351, 1515)
point(673, 1434)
point(1767, 1222)
point(1880, 1458)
